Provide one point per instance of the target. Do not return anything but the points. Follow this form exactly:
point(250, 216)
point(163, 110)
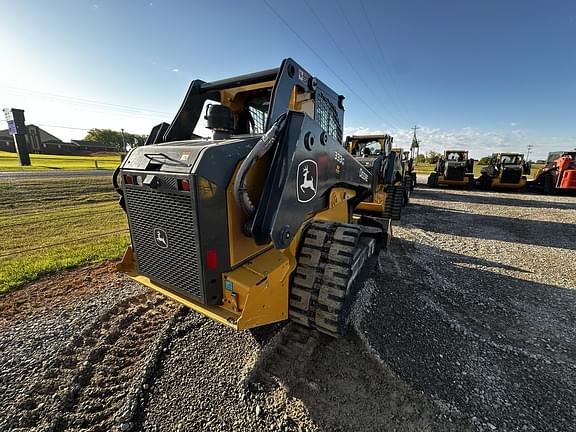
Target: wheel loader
point(375, 153)
point(454, 168)
point(504, 171)
point(256, 224)
point(559, 173)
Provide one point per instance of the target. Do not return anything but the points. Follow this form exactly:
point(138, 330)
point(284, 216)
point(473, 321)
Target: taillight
point(184, 185)
point(128, 179)
point(211, 259)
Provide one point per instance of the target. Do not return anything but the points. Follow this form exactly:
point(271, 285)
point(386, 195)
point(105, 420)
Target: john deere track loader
point(505, 171)
point(256, 224)
point(375, 153)
point(455, 168)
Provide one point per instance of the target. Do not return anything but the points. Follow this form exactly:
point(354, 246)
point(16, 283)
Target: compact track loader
point(504, 171)
point(257, 224)
point(388, 193)
point(559, 173)
point(455, 168)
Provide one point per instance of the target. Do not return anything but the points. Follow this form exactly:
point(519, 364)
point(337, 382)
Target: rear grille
point(455, 172)
point(155, 213)
point(511, 175)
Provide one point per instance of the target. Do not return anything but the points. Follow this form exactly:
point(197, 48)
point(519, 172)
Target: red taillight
point(211, 259)
point(128, 179)
point(184, 185)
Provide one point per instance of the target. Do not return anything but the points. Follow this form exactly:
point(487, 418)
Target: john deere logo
point(161, 238)
point(307, 181)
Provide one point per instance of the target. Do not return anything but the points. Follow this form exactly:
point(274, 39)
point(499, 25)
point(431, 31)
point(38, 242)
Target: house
point(41, 142)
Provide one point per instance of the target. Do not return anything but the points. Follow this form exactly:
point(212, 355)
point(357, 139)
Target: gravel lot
point(468, 323)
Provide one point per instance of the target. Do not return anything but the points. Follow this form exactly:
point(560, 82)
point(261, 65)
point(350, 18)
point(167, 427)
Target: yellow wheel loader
point(454, 168)
point(504, 171)
point(258, 223)
point(375, 153)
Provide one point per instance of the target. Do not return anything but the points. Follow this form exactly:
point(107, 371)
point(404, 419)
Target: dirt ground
point(467, 323)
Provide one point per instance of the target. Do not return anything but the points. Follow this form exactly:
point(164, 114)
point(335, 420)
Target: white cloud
point(176, 70)
point(513, 124)
point(479, 142)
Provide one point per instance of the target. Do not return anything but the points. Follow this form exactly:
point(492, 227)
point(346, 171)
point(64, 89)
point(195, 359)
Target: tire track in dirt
point(95, 379)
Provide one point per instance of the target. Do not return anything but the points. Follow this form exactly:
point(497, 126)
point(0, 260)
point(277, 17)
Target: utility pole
point(415, 143)
point(530, 148)
point(123, 140)
point(17, 127)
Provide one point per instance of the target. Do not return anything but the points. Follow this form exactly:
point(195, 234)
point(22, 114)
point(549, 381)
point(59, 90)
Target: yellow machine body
point(442, 180)
point(256, 292)
point(497, 184)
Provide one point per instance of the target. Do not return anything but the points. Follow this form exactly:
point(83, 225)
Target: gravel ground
point(481, 339)
point(476, 305)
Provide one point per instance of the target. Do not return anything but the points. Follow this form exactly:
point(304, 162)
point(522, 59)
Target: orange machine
point(559, 173)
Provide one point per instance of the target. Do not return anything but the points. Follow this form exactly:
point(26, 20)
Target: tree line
point(117, 139)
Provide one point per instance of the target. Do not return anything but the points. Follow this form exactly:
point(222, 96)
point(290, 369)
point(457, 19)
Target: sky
point(488, 76)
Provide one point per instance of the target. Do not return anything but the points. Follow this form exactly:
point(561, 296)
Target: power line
point(361, 45)
point(96, 107)
point(350, 63)
point(82, 100)
point(322, 60)
point(61, 127)
point(383, 57)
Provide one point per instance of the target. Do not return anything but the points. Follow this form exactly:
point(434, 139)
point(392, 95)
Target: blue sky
point(485, 75)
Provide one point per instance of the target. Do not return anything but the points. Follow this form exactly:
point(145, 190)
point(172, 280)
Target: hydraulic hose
point(262, 147)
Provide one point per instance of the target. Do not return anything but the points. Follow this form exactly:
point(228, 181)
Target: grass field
point(9, 162)
point(47, 225)
point(428, 168)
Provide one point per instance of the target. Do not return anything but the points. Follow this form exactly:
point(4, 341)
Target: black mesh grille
point(455, 172)
point(511, 175)
point(327, 117)
point(155, 213)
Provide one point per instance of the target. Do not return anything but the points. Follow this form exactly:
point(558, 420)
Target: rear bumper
point(444, 181)
point(256, 293)
point(497, 184)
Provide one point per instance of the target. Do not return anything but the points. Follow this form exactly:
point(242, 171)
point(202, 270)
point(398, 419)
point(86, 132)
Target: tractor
point(558, 174)
point(454, 168)
point(259, 223)
point(388, 194)
point(504, 171)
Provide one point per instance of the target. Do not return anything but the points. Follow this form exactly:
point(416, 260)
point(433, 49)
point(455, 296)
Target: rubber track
point(394, 203)
point(323, 276)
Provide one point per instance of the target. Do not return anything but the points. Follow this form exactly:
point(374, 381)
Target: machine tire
point(433, 179)
point(321, 286)
point(470, 184)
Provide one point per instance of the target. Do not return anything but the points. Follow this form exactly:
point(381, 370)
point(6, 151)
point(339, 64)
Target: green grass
point(428, 168)
point(9, 162)
point(47, 225)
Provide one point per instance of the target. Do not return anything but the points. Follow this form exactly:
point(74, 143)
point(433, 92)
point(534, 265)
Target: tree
point(114, 138)
point(420, 159)
point(432, 157)
point(484, 161)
